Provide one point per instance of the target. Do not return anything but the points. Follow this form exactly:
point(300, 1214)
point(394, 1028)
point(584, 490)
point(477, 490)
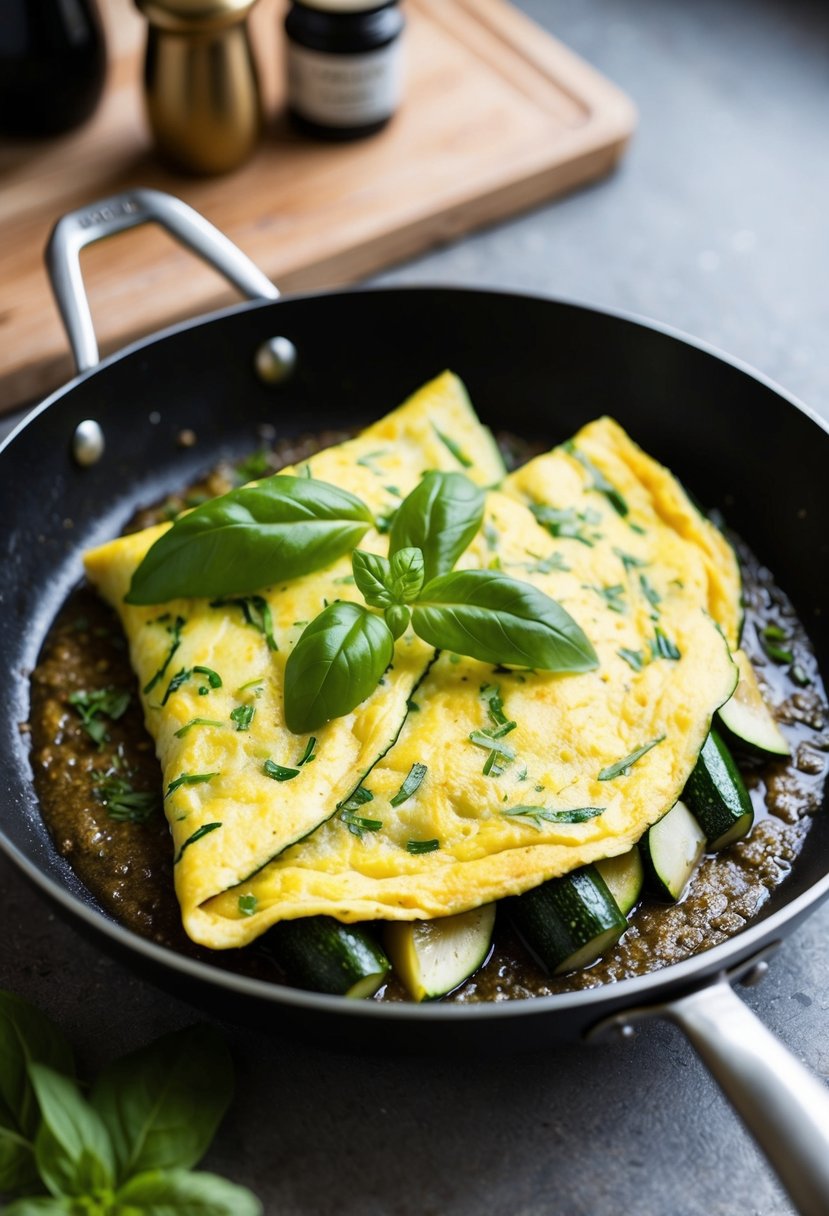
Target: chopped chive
point(482, 739)
point(633, 658)
point(242, 715)
point(309, 754)
point(491, 695)
point(95, 705)
point(565, 522)
point(544, 565)
point(181, 677)
point(189, 779)
point(536, 815)
point(175, 632)
point(770, 635)
point(357, 824)
point(182, 731)
point(662, 647)
point(257, 685)
point(800, 675)
point(395, 490)
point(621, 768)
point(247, 904)
point(490, 535)
point(637, 528)
point(357, 798)
point(416, 774)
point(123, 803)
point(600, 483)
point(422, 846)
point(629, 561)
point(213, 677)
point(775, 633)
point(650, 593)
point(453, 448)
point(366, 462)
point(278, 772)
point(612, 596)
point(256, 611)
point(489, 765)
point(197, 835)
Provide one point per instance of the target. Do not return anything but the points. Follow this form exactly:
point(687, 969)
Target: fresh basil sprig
point(440, 517)
point(282, 528)
point(129, 1146)
point(341, 656)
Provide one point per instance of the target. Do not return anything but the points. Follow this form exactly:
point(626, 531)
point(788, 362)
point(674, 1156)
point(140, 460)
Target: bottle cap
point(187, 15)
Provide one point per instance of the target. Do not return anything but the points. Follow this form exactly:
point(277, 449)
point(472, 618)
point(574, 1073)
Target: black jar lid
point(346, 7)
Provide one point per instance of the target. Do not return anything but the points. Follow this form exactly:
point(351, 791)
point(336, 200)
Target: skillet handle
point(73, 232)
point(782, 1104)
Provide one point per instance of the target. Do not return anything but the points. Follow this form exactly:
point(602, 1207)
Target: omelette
point(597, 525)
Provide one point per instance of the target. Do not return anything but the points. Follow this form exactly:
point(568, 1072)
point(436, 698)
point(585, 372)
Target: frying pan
point(107, 443)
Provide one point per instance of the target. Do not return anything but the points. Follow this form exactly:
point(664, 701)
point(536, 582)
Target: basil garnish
point(204, 830)
point(622, 767)
point(536, 815)
point(124, 803)
point(440, 517)
point(337, 662)
point(175, 633)
point(497, 619)
point(257, 613)
point(94, 706)
point(416, 847)
point(189, 779)
point(281, 528)
point(278, 772)
point(412, 783)
point(242, 716)
point(183, 730)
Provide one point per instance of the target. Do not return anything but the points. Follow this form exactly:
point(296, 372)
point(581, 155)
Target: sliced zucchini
point(568, 922)
point(717, 797)
point(433, 957)
point(671, 851)
point(324, 955)
point(624, 876)
point(746, 714)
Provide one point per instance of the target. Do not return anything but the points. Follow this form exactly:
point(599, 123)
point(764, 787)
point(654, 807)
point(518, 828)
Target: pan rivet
point(88, 442)
point(276, 360)
point(626, 1031)
point(755, 974)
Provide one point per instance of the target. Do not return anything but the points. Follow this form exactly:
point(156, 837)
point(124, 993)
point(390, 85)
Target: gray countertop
point(716, 222)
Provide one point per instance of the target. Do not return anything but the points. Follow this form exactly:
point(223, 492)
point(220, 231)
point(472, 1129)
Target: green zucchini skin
point(324, 955)
point(625, 877)
point(671, 850)
point(568, 922)
point(717, 797)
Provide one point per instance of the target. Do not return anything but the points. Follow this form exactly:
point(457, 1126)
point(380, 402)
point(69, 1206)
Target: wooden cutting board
point(498, 116)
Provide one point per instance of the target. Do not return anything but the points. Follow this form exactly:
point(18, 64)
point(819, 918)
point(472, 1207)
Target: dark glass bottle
point(343, 65)
point(52, 65)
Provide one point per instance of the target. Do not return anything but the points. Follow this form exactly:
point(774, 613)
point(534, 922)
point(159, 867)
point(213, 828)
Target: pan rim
point(632, 991)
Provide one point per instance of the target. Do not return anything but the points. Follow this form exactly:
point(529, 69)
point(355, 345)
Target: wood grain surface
point(498, 116)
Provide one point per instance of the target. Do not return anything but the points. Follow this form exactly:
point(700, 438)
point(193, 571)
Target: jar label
point(344, 90)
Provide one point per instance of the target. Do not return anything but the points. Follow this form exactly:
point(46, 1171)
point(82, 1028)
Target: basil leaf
point(17, 1163)
point(280, 529)
point(180, 1193)
point(26, 1037)
point(397, 617)
point(440, 517)
point(72, 1148)
point(372, 576)
point(163, 1103)
point(497, 619)
point(407, 574)
point(41, 1206)
point(337, 662)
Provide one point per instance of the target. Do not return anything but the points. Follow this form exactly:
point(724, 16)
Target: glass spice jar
point(344, 66)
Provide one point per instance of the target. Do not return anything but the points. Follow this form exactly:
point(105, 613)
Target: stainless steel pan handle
point(80, 228)
point(783, 1105)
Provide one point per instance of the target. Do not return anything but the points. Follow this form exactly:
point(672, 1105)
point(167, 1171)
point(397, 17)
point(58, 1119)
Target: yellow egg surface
point(608, 533)
point(227, 816)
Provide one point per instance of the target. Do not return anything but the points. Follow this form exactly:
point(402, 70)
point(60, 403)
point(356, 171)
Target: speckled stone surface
point(716, 223)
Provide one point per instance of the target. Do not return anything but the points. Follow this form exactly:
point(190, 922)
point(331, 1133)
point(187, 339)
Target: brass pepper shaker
point(202, 87)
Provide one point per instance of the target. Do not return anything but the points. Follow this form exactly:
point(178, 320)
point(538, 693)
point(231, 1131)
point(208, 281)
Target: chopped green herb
point(182, 731)
point(242, 715)
point(662, 647)
point(247, 904)
point(309, 754)
point(190, 778)
point(175, 633)
point(800, 675)
point(413, 781)
point(278, 772)
point(522, 776)
point(366, 462)
point(254, 466)
point(124, 803)
point(490, 535)
point(629, 561)
point(621, 768)
point(357, 824)
point(600, 483)
point(491, 769)
point(347, 580)
point(537, 815)
point(97, 704)
point(413, 706)
point(482, 739)
point(491, 695)
point(566, 522)
point(633, 658)
point(356, 799)
point(181, 677)
point(650, 593)
point(769, 636)
point(612, 596)
point(213, 677)
point(393, 490)
point(197, 835)
point(452, 447)
point(422, 846)
point(544, 565)
point(637, 528)
point(258, 687)
point(256, 611)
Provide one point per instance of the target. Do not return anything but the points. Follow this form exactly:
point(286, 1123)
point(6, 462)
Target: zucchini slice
point(324, 955)
point(746, 714)
point(624, 876)
point(672, 849)
point(433, 957)
point(717, 797)
point(568, 922)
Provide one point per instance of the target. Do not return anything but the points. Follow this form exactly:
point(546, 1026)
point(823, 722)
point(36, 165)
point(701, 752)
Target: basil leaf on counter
point(282, 528)
point(497, 619)
point(163, 1103)
point(72, 1148)
point(440, 517)
point(168, 1191)
point(337, 662)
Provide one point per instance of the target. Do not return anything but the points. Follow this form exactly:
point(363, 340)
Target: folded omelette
point(597, 525)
